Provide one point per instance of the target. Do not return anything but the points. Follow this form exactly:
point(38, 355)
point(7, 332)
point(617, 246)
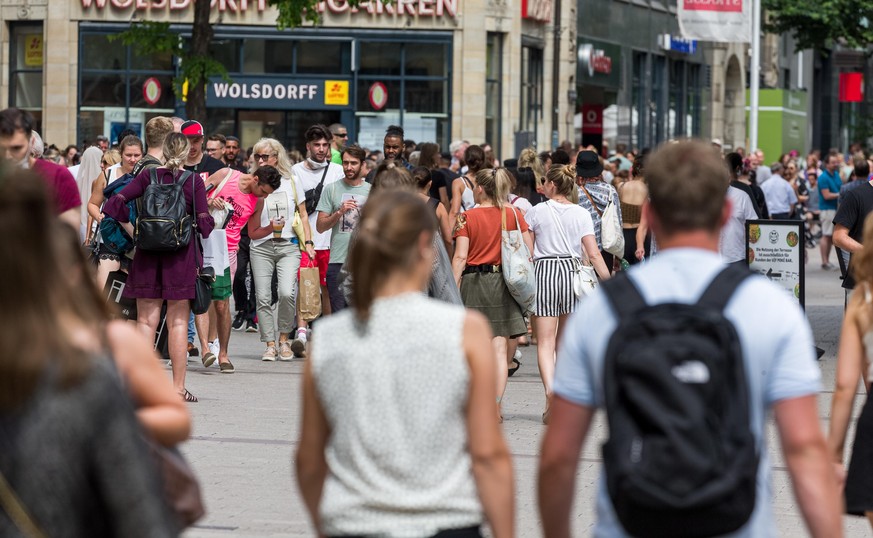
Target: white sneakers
point(298, 345)
point(269, 354)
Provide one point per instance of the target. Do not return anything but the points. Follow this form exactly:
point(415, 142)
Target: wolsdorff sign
point(278, 94)
point(421, 8)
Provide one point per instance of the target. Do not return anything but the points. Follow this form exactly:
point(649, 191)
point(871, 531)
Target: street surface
point(246, 426)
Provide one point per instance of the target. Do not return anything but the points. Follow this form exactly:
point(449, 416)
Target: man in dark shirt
point(392, 147)
point(855, 205)
point(16, 128)
point(198, 162)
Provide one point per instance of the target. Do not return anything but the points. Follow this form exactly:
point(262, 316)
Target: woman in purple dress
point(170, 275)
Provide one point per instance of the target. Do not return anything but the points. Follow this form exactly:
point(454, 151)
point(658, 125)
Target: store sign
point(722, 21)
point(536, 10)
point(677, 44)
point(421, 8)
point(277, 94)
point(378, 95)
point(775, 250)
point(592, 119)
point(176, 5)
point(598, 63)
point(33, 50)
point(851, 87)
point(151, 90)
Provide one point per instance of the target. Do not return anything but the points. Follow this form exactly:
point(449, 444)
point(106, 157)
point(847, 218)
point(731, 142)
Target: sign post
point(775, 249)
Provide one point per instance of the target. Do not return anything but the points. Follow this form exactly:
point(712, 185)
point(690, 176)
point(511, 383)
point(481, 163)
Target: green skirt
point(487, 293)
point(222, 288)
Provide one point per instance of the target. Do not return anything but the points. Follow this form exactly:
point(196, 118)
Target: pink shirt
point(243, 208)
point(61, 184)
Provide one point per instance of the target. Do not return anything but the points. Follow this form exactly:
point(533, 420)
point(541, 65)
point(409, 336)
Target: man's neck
point(308, 165)
point(354, 182)
point(194, 161)
point(700, 239)
point(157, 153)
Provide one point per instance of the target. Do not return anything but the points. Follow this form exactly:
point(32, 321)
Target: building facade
point(443, 69)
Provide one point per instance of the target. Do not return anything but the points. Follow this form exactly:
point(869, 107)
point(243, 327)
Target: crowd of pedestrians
point(401, 240)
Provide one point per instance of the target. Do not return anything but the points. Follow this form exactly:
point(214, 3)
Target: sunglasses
point(341, 135)
point(263, 156)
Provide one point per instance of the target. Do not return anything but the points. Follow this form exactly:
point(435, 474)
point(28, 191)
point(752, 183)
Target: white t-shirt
point(777, 349)
point(732, 241)
point(575, 220)
point(310, 179)
point(280, 203)
point(520, 202)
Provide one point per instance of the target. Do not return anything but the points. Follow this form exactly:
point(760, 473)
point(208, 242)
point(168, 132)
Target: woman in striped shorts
point(562, 230)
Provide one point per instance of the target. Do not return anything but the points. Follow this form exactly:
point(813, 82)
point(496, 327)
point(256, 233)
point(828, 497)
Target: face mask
point(25, 162)
point(316, 165)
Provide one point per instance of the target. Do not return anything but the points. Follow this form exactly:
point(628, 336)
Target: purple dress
point(163, 275)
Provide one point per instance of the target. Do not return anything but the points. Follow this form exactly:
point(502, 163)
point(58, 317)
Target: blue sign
point(289, 93)
point(682, 45)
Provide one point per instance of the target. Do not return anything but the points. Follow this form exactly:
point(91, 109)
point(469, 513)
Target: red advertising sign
point(151, 90)
point(378, 95)
point(851, 87)
point(723, 6)
point(592, 119)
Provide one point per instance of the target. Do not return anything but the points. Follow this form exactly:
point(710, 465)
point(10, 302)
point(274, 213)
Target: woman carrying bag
point(477, 263)
point(564, 250)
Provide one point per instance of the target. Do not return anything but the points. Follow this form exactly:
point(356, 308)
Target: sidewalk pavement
point(246, 427)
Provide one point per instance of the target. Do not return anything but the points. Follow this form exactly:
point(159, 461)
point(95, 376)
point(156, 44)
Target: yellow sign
point(336, 92)
point(33, 50)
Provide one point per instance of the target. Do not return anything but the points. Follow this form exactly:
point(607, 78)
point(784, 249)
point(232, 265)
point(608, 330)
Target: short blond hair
point(156, 131)
point(687, 184)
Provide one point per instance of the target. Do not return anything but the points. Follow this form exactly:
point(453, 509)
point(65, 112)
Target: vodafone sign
point(722, 6)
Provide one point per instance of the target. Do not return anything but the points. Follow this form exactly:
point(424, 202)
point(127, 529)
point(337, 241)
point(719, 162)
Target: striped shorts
point(555, 295)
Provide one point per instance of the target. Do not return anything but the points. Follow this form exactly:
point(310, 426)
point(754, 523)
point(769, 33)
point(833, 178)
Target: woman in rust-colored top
point(477, 263)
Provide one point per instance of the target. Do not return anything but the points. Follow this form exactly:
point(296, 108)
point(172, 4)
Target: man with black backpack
point(687, 356)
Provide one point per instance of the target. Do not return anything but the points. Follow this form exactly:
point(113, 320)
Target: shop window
point(693, 101)
point(425, 60)
point(98, 52)
point(676, 118)
point(638, 100)
point(657, 104)
point(322, 57)
point(392, 95)
point(493, 89)
point(162, 61)
point(531, 88)
point(381, 59)
point(426, 96)
point(26, 68)
point(102, 90)
point(137, 95)
point(268, 56)
point(226, 51)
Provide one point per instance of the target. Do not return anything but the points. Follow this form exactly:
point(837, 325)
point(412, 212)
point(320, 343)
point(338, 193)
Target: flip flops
point(188, 397)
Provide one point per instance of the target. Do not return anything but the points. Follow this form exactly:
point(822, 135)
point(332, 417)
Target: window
point(638, 100)
point(493, 89)
point(531, 88)
point(25, 69)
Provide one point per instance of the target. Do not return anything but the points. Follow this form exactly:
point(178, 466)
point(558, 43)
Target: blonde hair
point(175, 150)
point(390, 176)
point(283, 163)
point(530, 159)
point(112, 156)
point(564, 179)
point(496, 182)
point(391, 224)
point(156, 131)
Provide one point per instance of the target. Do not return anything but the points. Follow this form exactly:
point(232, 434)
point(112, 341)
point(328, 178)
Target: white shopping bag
point(215, 252)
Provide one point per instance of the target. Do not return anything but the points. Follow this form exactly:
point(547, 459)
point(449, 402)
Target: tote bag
point(584, 276)
point(518, 270)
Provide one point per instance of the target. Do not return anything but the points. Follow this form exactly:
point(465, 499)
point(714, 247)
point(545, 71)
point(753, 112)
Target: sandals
point(511, 371)
point(188, 397)
point(208, 359)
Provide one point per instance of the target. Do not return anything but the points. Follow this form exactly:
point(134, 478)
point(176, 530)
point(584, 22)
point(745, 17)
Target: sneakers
point(251, 327)
point(238, 321)
point(827, 266)
point(285, 351)
point(226, 367)
point(269, 354)
point(214, 347)
point(298, 346)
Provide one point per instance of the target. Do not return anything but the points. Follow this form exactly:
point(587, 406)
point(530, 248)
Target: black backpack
point(681, 459)
point(163, 223)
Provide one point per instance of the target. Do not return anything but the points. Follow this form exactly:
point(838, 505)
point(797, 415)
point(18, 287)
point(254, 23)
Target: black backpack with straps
point(163, 223)
point(681, 459)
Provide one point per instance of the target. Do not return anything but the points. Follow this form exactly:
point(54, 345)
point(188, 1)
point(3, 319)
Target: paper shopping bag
point(309, 296)
point(215, 252)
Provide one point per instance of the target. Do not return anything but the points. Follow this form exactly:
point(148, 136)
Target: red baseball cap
point(192, 128)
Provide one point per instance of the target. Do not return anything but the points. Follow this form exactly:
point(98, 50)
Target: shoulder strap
point(723, 286)
point(17, 512)
point(221, 185)
point(593, 204)
point(623, 295)
point(153, 176)
point(324, 174)
point(563, 234)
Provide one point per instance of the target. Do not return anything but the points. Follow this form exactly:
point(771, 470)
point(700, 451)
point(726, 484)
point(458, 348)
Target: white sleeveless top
point(394, 393)
point(468, 201)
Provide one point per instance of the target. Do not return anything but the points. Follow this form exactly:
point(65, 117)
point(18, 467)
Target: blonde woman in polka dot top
point(399, 436)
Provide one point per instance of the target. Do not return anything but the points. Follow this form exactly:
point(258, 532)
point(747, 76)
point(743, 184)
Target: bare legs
point(148, 317)
point(104, 267)
point(548, 331)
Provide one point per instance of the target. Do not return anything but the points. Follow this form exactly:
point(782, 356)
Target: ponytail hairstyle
point(474, 157)
point(564, 179)
point(387, 239)
point(422, 176)
point(391, 176)
point(496, 182)
point(175, 149)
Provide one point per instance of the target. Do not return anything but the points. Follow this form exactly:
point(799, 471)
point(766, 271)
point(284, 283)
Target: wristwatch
point(309, 243)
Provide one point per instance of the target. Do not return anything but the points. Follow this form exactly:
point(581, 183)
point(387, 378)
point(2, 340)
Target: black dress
point(859, 480)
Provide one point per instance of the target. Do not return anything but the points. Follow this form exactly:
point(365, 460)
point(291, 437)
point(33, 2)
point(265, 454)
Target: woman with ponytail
point(477, 264)
point(432, 390)
point(562, 231)
point(158, 276)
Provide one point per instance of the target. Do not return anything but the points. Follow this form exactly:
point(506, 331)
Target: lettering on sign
point(336, 92)
point(724, 6)
point(594, 60)
point(176, 5)
point(422, 8)
point(235, 90)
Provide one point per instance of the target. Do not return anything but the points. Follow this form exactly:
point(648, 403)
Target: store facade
point(409, 63)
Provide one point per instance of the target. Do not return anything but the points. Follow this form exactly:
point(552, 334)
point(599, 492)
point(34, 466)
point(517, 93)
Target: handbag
point(221, 216)
point(314, 195)
point(205, 275)
point(297, 222)
point(584, 277)
point(611, 235)
point(17, 512)
point(309, 294)
point(517, 270)
point(180, 486)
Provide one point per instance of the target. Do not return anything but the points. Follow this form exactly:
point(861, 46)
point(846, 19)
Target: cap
point(192, 128)
point(717, 142)
point(588, 164)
